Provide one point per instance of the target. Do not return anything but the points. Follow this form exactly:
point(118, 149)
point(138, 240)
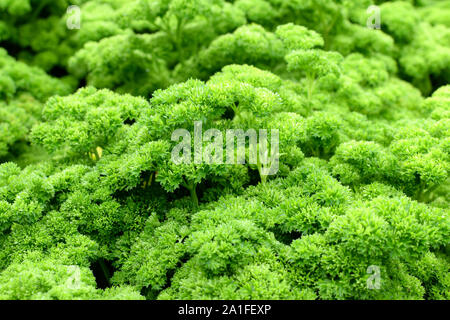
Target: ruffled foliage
point(93, 205)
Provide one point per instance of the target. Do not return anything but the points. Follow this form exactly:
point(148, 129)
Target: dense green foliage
point(93, 207)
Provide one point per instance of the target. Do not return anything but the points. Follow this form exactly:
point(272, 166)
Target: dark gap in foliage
point(405, 77)
point(154, 198)
point(152, 294)
point(82, 83)
point(121, 194)
point(46, 12)
point(129, 121)
point(201, 188)
point(254, 177)
point(58, 72)
point(58, 197)
point(7, 231)
point(182, 192)
point(228, 114)
point(145, 31)
point(438, 81)
point(4, 159)
point(15, 150)
point(171, 272)
point(102, 270)
point(417, 178)
point(149, 293)
point(147, 177)
point(140, 192)
point(145, 191)
point(12, 48)
point(286, 238)
point(210, 185)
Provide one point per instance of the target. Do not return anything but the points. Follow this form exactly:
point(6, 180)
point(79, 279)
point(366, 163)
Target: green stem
point(178, 35)
point(311, 83)
point(236, 111)
point(425, 195)
point(149, 182)
point(263, 177)
point(192, 191)
point(175, 36)
point(315, 151)
point(419, 192)
point(327, 31)
point(194, 196)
